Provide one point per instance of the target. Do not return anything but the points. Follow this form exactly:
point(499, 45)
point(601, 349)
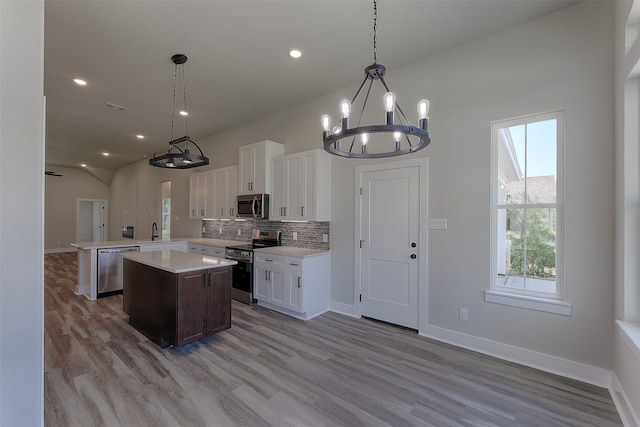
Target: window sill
point(532, 303)
point(631, 335)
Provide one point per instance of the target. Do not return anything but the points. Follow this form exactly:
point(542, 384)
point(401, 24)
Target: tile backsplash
point(309, 234)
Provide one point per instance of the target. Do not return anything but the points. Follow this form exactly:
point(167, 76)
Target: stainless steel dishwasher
point(109, 282)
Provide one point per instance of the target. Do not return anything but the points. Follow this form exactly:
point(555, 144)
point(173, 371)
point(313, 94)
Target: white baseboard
point(625, 409)
point(342, 308)
point(555, 365)
point(58, 250)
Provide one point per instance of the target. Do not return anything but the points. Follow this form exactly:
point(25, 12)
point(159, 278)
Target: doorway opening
point(165, 221)
point(91, 220)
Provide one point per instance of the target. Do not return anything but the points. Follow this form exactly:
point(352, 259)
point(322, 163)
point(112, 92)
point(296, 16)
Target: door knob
point(413, 256)
point(413, 244)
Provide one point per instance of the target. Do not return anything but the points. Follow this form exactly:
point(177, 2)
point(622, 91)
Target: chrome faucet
point(154, 231)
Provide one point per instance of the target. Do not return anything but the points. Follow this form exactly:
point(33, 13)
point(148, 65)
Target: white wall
point(627, 202)
point(560, 61)
point(21, 212)
point(61, 195)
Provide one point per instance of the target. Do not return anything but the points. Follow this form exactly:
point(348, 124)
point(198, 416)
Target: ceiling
point(238, 67)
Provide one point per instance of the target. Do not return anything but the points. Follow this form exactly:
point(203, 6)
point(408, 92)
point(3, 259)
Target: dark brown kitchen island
point(175, 298)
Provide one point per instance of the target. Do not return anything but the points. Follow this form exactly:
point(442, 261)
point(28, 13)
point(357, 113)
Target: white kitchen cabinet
point(297, 286)
point(254, 174)
point(207, 250)
point(225, 192)
point(200, 195)
point(301, 187)
point(160, 245)
point(176, 246)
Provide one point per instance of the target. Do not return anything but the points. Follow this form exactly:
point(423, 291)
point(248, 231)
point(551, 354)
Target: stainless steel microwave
point(253, 206)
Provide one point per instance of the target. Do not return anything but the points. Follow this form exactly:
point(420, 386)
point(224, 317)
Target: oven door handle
point(238, 259)
point(253, 206)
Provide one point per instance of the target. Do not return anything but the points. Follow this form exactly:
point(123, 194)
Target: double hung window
point(527, 206)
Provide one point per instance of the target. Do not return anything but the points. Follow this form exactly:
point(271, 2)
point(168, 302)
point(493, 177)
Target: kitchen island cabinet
point(175, 298)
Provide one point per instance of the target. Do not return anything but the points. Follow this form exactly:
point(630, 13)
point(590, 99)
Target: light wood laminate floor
point(269, 369)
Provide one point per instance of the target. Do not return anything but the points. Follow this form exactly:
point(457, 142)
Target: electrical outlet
point(325, 237)
point(464, 314)
point(219, 230)
point(204, 230)
point(295, 235)
point(437, 223)
point(239, 232)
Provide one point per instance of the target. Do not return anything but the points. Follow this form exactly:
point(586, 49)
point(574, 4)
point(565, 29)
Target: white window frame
point(548, 302)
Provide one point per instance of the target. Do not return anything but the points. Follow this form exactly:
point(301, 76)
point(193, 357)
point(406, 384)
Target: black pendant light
point(402, 138)
point(179, 155)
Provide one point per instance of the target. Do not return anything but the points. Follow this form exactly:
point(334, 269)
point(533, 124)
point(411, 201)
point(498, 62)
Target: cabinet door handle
point(268, 260)
point(281, 210)
point(193, 212)
point(270, 274)
point(266, 275)
point(285, 211)
point(302, 210)
point(299, 279)
point(202, 212)
point(294, 263)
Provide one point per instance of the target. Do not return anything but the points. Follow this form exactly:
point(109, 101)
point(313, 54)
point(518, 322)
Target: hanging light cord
point(184, 93)
point(173, 103)
point(375, 31)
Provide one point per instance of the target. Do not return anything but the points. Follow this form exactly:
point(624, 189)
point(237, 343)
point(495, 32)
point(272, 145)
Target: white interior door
point(390, 244)
point(91, 220)
point(98, 221)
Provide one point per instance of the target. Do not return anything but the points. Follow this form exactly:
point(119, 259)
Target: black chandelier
point(406, 138)
point(177, 157)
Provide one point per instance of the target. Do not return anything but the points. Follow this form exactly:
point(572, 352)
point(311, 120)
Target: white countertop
point(177, 261)
point(291, 251)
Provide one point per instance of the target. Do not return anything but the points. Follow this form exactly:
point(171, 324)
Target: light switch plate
point(437, 223)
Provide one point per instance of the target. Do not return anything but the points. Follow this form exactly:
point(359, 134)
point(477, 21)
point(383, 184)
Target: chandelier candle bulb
point(397, 136)
point(365, 138)
point(326, 122)
point(345, 108)
point(389, 100)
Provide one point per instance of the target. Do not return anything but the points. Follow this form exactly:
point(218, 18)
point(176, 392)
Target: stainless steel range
point(242, 282)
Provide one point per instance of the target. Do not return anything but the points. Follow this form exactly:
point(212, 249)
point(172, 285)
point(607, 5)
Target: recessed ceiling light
point(80, 82)
point(295, 53)
point(84, 165)
point(184, 113)
point(105, 154)
point(140, 136)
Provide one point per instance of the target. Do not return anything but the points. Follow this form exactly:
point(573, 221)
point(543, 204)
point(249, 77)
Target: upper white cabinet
point(225, 192)
point(301, 187)
point(255, 166)
point(200, 195)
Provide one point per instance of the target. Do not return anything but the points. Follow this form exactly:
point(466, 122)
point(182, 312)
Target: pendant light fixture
point(177, 157)
point(400, 138)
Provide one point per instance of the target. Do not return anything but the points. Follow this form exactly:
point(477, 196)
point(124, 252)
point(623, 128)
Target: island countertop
point(177, 261)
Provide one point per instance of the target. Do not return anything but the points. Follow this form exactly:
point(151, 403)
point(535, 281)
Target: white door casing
point(390, 217)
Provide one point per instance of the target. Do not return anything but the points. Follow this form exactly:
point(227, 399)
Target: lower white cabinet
point(299, 287)
point(162, 245)
point(207, 250)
